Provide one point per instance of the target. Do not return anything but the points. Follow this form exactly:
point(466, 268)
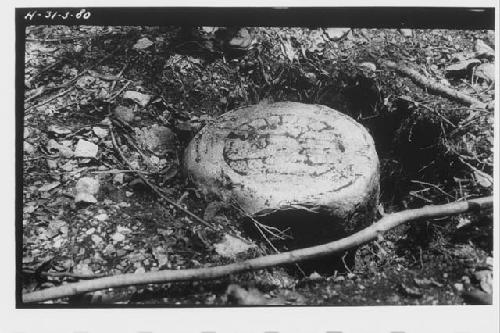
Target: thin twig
point(121, 171)
point(364, 236)
point(155, 188)
point(434, 186)
point(62, 93)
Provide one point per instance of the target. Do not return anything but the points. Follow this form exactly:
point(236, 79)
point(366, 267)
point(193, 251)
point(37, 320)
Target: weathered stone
point(85, 189)
point(486, 72)
point(124, 114)
point(289, 157)
point(86, 149)
point(158, 139)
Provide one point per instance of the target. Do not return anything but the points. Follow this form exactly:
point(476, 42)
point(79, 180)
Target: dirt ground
point(96, 96)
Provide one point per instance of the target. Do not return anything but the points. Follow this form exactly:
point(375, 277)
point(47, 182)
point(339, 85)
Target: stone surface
point(124, 114)
point(157, 139)
point(288, 156)
point(86, 149)
point(85, 190)
point(231, 246)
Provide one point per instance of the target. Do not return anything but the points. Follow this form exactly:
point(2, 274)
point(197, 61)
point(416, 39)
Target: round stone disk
point(286, 155)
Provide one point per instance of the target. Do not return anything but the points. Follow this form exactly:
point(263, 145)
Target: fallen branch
point(364, 236)
point(433, 86)
point(62, 93)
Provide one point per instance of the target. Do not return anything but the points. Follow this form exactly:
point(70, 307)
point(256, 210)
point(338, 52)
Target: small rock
point(52, 164)
point(339, 278)
point(209, 30)
point(485, 278)
point(142, 44)
point(239, 296)
point(243, 40)
point(486, 72)
point(140, 269)
point(489, 263)
point(48, 187)
point(53, 145)
point(231, 246)
point(86, 149)
point(139, 98)
point(85, 81)
point(482, 49)
point(109, 250)
point(106, 121)
point(118, 178)
point(458, 287)
point(66, 152)
point(351, 276)
point(90, 231)
point(58, 130)
point(337, 33)
point(406, 32)
point(100, 132)
point(311, 78)
point(118, 237)
point(96, 239)
point(85, 189)
point(368, 65)
point(315, 276)
point(102, 217)
point(158, 139)
point(28, 148)
point(28, 131)
point(123, 230)
point(82, 268)
point(124, 114)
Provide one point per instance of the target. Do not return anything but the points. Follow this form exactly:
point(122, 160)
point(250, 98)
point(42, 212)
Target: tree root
point(366, 235)
point(433, 86)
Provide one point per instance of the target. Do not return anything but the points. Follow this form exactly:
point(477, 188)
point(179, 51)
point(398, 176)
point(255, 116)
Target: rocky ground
point(110, 110)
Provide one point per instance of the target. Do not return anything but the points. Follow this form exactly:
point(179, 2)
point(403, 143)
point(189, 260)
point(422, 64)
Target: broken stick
point(433, 86)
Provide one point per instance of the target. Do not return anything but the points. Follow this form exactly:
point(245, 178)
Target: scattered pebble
point(102, 217)
point(118, 237)
point(231, 246)
point(90, 231)
point(368, 65)
point(124, 114)
point(486, 72)
point(48, 187)
point(85, 189)
point(28, 148)
point(100, 132)
point(339, 278)
point(337, 33)
point(137, 97)
point(86, 149)
point(142, 44)
point(96, 239)
point(406, 32)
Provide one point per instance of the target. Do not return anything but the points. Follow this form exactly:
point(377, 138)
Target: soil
point(432, 151)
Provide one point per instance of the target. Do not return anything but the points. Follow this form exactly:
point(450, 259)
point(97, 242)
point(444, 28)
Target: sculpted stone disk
point(286, 155)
